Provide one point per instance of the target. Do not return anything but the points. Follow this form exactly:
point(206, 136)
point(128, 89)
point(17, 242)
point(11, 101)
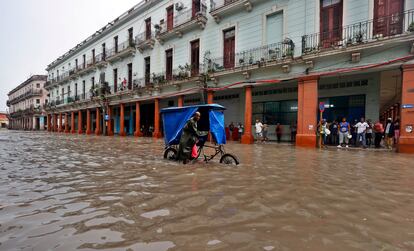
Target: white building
point(271, 60)
point(27, 102)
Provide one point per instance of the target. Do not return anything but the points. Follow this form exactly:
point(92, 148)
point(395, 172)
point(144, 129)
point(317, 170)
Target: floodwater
point(71, 192)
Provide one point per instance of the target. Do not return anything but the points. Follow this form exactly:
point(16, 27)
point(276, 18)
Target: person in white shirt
point(361, 132)
point(259, 129)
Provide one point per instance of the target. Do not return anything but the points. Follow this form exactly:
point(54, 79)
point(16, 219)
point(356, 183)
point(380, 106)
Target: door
point(195, 57)
point(115, 80)
point(331, 22)
point(130, 76)
point(170, 18)
point(195, 7)
point(388, 17)
point(148, 28)
point(168, 63)
point(131, 36)
point(229, 48)
point(147, 70)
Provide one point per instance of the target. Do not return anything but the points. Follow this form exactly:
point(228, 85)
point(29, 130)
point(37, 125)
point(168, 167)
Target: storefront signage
point(407, 106)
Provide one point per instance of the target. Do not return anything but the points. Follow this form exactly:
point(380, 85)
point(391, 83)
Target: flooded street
point(68, 192)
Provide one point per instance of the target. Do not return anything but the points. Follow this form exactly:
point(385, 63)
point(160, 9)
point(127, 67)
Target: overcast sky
point(36, 32)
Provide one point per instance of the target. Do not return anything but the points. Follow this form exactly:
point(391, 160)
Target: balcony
point(183, 22)
point(26, 95)
point(361, 33)
point(221, 8)
point(86, 67)
point(100, 60)
point(264, 56)
point(145, 41)
point(123, 50)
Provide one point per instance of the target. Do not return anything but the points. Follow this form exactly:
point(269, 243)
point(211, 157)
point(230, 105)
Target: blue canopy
point(175, 118)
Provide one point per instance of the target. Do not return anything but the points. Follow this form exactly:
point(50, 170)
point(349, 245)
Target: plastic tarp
point(217, 126)
point(174, 122)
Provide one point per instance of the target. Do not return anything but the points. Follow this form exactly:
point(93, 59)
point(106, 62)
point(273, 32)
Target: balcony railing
point(28, 94)
point(145, 40)
point(121, 48)
point(259, 57)
point(100, 58)
point(359, 33)
point(183, 21)
point(217, 4)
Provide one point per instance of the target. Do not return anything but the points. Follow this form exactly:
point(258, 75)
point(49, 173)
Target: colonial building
point(268, 60)
point(27, 102)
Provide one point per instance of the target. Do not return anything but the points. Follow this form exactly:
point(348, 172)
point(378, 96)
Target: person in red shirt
point(379, 132)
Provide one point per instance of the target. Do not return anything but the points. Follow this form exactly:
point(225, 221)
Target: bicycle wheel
point(229, 159)
point(170, 153)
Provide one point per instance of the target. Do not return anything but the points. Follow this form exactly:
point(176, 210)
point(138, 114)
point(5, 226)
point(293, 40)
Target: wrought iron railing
point(217, 4)
point(183, 17)
point(143, 37)
point(130, 43)
point(100, 58)
point(359, 33)
point(259, 56)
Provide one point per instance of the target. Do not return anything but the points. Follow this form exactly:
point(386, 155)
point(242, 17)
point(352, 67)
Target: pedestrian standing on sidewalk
point(396, 130)
point(334, 132)
point(343, 130)
point(279, 132)
point(240, 129)
point(369, 133)
point(259, 130)
point(389, 133)
point(354, 133)
point(293, 130)
point(379, 133)
point(265, 129)
point(361, 128)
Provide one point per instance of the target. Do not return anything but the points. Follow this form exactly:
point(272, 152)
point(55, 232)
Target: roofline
point(27, 81)
point(126, 16)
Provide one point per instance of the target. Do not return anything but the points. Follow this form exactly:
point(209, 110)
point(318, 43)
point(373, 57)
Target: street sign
point(407, 106)
point(106, 117)
point(321, 106)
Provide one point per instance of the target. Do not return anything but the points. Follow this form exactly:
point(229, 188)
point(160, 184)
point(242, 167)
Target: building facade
point(27, 104)
point(4, 120)
point(269, 60)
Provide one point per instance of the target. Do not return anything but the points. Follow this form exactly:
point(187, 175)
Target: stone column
point(110, 131)
point(55, 123)
point(180, 101)
point(66, 123)
point(98, 122)
point(210, 97)
point(72, 122)
point(48, 123)
point(307, 111)
point(137, 120)
point(406, 141)
point(122, 121)
point(60, 123)
point(80, 125)
point(247, 137)
point(88, 122)
point(157, 132)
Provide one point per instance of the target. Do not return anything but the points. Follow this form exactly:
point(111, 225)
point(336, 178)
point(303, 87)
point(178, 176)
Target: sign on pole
point(106, 117)
point(321, 106)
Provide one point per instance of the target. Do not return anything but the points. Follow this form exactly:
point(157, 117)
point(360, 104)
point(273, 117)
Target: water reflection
point(66, 192)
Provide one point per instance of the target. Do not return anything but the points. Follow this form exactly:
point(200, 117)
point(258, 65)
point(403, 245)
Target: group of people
point(234, 132)
point(359, 133)
point(262, 131)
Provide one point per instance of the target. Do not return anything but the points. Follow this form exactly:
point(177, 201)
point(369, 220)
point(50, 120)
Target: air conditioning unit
point(179, 6)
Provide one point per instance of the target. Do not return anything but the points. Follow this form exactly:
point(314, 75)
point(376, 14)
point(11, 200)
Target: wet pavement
point(68, 192)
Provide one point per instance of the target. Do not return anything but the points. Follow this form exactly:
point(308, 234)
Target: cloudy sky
point(36, 32)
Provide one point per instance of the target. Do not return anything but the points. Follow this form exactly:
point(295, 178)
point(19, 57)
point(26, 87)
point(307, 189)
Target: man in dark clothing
point(189, 138)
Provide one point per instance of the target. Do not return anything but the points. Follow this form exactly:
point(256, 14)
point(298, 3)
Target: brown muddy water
point(71, 192)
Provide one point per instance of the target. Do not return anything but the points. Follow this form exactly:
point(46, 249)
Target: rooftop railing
point(359, 33)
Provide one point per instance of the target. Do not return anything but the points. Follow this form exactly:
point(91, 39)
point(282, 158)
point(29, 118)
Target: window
point(147, 69)
point(76, 64)
point(170, 18)
point(93, 82)
point(83, 89)
point(84, 61)
point(330, 22)
point(38, 85)
point(69, 91)
point(76, 90)
point(93, 55)
point(148, 28)
point(283, 112)
point(351, 107)
point(103, 51)
point(195, 57)
point(38, 101)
